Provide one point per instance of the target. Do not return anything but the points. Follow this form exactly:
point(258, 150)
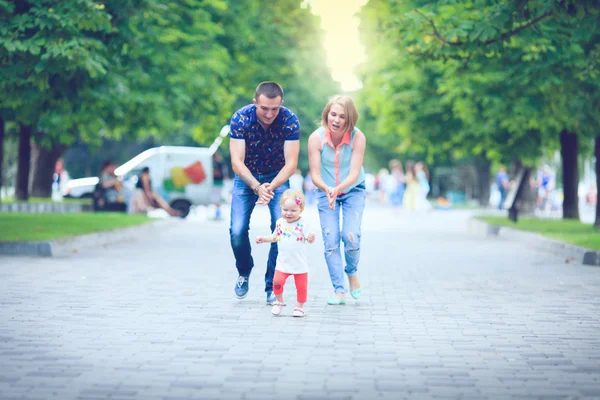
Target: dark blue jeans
point(502, 197)
point(243, 201)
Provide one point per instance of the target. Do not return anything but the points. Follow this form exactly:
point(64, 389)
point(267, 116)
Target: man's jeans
point(352, 205)
point(242, 204)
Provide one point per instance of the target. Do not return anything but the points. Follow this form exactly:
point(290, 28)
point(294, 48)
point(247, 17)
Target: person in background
point(545, 187)
point(219, 175)
point(411, 193)
point(395, 185)
point(335, 154)
point(422, 174)
point(111, 188)
point(380, 184)
point(60, 178)
point(501, 184)
point(146, 198)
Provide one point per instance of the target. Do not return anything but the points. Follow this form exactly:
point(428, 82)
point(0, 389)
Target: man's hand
point(265, 194)
point(310, 238)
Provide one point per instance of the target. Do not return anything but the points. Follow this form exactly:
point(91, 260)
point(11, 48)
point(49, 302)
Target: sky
point(344, 51)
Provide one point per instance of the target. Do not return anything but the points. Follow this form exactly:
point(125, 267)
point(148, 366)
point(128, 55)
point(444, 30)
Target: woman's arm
point(314, 161)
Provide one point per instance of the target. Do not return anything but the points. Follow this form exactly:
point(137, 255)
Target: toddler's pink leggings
point(301, 281)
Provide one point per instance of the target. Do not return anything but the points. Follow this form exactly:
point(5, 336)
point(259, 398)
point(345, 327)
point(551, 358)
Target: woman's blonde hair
point(295, 195)
point(349, 107)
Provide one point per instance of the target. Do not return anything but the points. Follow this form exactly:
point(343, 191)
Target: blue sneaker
point(271, 299)
point(241, 287)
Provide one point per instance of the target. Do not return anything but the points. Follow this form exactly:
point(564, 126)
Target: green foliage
point(106, 70)
point(481, 77)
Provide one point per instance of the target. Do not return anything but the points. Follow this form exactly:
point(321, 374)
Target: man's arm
point(291, 149)
point(237, 149)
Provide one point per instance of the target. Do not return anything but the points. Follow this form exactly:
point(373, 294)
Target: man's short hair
point(269, 89)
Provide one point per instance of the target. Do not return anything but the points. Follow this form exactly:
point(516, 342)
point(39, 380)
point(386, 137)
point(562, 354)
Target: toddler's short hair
point(294, 194)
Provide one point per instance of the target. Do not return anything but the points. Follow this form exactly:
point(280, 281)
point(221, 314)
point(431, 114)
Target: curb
point(73, 244)
point(569, 251)
point(45, 207)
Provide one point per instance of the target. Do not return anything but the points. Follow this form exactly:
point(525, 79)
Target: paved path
point(444, 315)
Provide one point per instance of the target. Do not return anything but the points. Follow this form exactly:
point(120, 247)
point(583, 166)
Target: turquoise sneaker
point(333, 301)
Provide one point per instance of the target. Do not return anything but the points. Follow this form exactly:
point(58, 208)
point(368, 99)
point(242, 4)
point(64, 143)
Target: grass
point(569, 231)
point(33, 227)
point(38, 200)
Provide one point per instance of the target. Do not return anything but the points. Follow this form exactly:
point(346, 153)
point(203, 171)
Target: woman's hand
point(332, 194)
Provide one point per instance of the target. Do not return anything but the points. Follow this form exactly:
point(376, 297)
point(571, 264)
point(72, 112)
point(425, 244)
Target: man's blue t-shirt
point(264, 149)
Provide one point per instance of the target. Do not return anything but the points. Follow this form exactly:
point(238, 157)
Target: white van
point(183, 176)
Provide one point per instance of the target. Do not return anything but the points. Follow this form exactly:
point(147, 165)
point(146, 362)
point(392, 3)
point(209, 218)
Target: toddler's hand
point(310, 238)
point(260, 239)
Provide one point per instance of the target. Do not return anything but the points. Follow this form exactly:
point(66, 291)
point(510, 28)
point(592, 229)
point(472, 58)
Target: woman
point(395, 185)
point(335, 154)
point(145, 197)
point(411, 194)
point(422, 174)
point(108, 195)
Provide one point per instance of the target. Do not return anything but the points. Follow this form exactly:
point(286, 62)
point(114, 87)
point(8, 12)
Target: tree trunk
point(23, 165)
point(1, 155)
point(597, 155)
point(568, 151)
point(44, 161)
point(484, 171)
point(520, 191)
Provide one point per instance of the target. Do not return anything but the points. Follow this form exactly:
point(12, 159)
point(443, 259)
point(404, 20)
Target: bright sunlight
point(344, 50)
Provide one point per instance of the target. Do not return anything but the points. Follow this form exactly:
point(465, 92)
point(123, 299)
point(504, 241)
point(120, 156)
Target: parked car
point(181, 175)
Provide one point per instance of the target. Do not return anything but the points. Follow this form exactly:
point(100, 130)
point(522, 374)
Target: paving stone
point(444, 315)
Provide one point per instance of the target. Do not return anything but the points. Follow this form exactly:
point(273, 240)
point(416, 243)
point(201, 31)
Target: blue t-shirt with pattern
point(264, 149)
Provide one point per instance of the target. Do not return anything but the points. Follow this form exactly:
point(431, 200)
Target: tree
point(2, 127)
point(488, 54)
point(44, 46)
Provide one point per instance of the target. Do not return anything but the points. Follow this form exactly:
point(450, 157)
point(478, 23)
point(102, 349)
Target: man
point(264, 147)
point(502, 184)
point(545, 186)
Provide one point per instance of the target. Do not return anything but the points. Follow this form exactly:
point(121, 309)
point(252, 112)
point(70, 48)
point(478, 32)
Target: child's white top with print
point(291, 242)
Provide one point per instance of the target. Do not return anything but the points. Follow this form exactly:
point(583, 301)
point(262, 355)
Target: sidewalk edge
point(569, 251)
point(72, 244)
